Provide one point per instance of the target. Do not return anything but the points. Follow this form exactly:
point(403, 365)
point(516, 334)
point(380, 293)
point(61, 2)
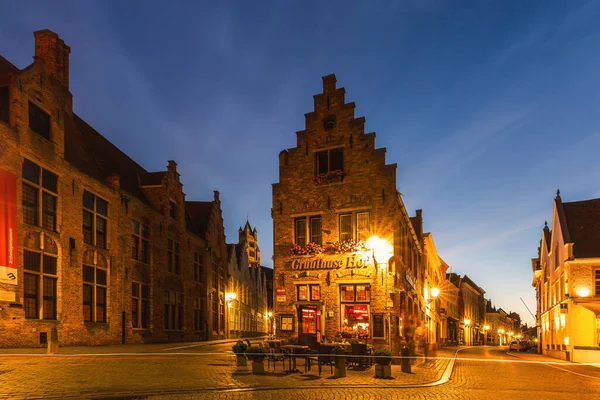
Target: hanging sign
point(8, 228)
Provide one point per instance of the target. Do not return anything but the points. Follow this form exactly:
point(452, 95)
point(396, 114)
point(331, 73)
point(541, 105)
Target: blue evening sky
point(487, 107)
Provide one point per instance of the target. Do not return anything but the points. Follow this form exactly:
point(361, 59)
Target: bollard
point(53, 342)
point(405, 360)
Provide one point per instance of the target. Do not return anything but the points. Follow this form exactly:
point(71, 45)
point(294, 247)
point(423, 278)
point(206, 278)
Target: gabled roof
point(583, 227)
point(561, 218)
point(197, 216)
point(94, 155)
point(547, 233)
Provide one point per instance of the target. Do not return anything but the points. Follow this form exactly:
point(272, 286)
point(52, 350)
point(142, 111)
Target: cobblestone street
point(163, 373)
point(186, 369)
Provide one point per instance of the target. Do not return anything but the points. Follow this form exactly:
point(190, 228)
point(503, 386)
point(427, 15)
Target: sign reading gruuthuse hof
point(8, 228)
point(332, 262)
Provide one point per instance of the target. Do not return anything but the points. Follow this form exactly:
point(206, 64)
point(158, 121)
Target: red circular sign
point(280, 291)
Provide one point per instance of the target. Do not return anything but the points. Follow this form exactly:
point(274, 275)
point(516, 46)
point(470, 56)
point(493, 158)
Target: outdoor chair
point(325, 357)
point(275, 355)
point(360, 355)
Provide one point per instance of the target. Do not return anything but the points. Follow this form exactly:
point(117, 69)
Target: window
point(345, 227)
point(40, 186)
point(221, 316)
point(172, 209)
point(315, 230)
point(140, 246)
point(95, 212)
point(300, 231)
point(215, 275)
point(310, 226)
point(40, 285)
point(199, 267)
point(286, 323)
point(173, 310)
point(140, 305)
point(362, 226)
point(94, 293)
point(308, 292)
point(215, 314)
point(221, 279)
point(174, 264)
point(597, 282)
point(39, 121)
point(355, 293)
point(329, 160)
point(354, 226)
point(198, 311)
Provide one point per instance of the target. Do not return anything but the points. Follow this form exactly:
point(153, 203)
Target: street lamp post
point(270, 330)
point(467, 322)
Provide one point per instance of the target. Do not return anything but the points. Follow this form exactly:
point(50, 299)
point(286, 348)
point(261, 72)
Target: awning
point(591, 305)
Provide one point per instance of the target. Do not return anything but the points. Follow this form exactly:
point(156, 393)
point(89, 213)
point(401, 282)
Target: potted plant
point(257, 355)
point(383, 360)
point(340, 361)
point(240, 349)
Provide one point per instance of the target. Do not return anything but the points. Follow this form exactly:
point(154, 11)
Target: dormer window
point(329, 160)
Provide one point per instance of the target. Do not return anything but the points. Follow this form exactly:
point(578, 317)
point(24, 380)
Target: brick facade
point(361, 183)
point(186, 248)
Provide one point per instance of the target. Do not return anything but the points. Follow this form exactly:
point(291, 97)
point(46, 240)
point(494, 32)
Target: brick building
point(566, 275)
point(97, 247)
point(335, 193)
point(248, 312)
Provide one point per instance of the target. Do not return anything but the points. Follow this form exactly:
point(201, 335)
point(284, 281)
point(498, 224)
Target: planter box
point(258, 367)
point(241, 360)
point(383, 371)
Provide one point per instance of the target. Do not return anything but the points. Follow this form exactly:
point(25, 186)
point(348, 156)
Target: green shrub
point(256, 353)
point(383, 356)
point(240, 347)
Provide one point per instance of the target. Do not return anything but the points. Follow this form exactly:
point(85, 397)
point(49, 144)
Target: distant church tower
point(248, 240)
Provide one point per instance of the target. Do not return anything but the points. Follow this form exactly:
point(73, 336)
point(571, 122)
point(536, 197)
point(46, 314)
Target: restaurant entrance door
point(309, 327)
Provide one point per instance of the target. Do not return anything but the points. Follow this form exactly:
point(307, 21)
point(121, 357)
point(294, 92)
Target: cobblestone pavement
point(208, 372)
point(169, 370)
point(479, 373)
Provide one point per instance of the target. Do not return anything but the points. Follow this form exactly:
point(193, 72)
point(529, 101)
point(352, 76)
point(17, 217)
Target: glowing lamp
point(229, 296)
point(583, 292)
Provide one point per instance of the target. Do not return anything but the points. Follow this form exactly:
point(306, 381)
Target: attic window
point(329, 123)
point(39, 121)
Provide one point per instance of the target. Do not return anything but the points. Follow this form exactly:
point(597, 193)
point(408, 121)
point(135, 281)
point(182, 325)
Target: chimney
point(172, 166)
point(216, 195)
point(329, 83)
point(54, 55)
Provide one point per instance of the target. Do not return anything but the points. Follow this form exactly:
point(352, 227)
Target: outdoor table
point(272, 342)
point(294, 348)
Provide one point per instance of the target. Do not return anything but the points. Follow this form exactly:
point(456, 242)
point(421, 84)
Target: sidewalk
point(142, 374)
point(124, 348)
